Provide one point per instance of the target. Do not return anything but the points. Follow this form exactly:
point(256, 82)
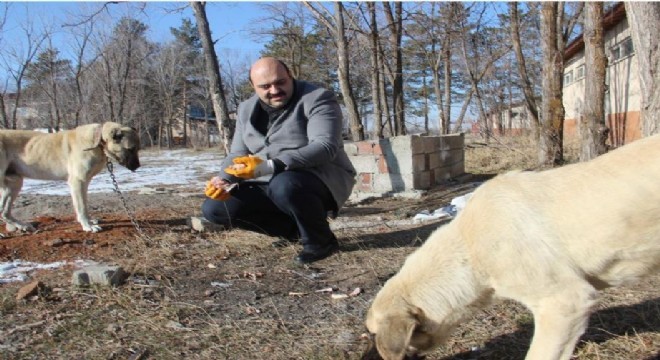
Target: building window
point(622, 50)
point(568, 77)
point(580, 72)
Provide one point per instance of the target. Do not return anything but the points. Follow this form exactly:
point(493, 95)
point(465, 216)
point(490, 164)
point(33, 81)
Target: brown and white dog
point(74, 155)
point(549, 240)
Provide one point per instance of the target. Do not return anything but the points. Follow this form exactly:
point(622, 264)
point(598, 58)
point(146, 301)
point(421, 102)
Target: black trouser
point(292, 204)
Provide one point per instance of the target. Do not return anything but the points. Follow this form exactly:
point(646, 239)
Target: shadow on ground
point(604, 325)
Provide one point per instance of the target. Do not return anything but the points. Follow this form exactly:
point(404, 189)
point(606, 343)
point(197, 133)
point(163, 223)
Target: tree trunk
point(160, 133)
point(108, 87)
point(475, 89)
point(343, 65)
point(644, 21)
point(446, 58)
point(530, 100)
point(208, 129)
point(56, 107)
point(461, 115)
point(357, 130)
point(375, 72)
point(170, 135)
point(593, 130)
point(123, 87)
point(443, 98)
point(4, 122)
point(213, 73)
point(552, 110)
point(395, 24)
point(382, 86)
point(439, 101)
point(425, 96)
point(184, 100)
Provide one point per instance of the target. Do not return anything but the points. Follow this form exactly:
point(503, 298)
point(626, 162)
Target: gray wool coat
point(307, 136)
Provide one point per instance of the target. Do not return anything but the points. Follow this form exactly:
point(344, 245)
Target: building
point(513, 121)
point(622, 97)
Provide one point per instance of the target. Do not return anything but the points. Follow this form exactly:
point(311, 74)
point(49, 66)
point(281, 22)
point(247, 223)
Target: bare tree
point(552, 109)
point(555, 30)
point(47, 75)
point(644, 20)
point(15, 60)
point(80, 44)
point(446, 58)
point(335, 25)
point(104, 65)
point(479, 52)
point(464, 108)
point(168, 79)
point(528, 91)
point(4, 121)
point(436, 29)
point(377, 72)
point(395, 71)
point(382, 90)
point(235, 70)
point(291, 41)
point(119, 71)
point(593, 129)
point(375, 69)
point(213, 74)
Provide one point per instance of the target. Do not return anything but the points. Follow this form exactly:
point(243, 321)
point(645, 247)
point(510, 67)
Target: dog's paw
point(92, 228)
point(12, 226)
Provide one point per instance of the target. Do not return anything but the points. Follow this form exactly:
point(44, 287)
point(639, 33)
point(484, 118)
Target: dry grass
point(503, 153)
point(229, 295)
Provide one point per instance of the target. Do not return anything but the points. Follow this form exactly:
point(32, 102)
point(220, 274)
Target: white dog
point(549, 240)
point(73, 155)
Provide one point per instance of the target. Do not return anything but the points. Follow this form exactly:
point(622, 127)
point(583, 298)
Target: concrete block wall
point(405, 163)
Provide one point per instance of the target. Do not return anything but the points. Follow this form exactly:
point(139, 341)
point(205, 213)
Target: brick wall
point(405, 163)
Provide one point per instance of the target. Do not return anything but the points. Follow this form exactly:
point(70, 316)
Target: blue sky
point(229, 21)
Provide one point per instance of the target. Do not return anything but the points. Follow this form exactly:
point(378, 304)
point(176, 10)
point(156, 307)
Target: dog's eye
point(117, 137)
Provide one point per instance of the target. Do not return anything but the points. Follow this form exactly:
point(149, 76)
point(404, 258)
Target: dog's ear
point(111, 132)
point(91, 135)
point(117, 135)
point(394, 336)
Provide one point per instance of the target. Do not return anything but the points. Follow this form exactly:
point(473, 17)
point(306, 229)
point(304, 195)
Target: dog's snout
point(130, 161)
point(133, 164)
point(371, 353)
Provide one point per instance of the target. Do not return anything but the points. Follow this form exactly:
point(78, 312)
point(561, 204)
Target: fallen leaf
point(338, 296)
point(328, 289)
point(251, 310)
point(252, 276)
point(357, 291)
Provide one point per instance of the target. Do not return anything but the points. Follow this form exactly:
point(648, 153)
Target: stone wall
point(405, 163)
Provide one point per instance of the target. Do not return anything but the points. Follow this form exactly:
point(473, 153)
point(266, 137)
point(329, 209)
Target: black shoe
point(306, 257)
point(282, 243)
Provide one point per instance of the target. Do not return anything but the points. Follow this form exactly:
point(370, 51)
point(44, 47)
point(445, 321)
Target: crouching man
point(288, 159)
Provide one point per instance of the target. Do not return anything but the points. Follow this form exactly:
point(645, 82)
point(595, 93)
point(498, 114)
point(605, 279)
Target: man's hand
point(217, 189)
point(250, 167)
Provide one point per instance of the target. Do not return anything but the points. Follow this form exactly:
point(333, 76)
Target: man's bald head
point(272, 81)
point(268, 64)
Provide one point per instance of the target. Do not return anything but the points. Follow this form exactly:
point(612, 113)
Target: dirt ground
point(230, 295)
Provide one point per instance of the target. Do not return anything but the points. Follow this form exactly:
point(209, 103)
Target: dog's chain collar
point(131, 215)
